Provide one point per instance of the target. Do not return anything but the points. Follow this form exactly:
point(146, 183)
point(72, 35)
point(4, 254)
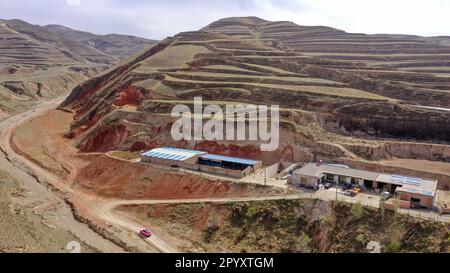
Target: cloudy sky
point(159, 19)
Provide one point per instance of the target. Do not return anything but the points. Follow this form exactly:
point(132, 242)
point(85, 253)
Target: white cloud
point(73, 2)
point(158, 19)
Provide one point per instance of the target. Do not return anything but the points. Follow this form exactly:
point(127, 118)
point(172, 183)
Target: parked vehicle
point(145, 232)
point(386, 194)
point(347, 186)
point(328, 185)
point(349, 193)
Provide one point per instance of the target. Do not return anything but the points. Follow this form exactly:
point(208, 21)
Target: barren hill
point(40, 62)
point(119, 46)
point(329, 83)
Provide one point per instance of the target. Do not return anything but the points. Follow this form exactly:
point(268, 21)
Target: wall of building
point(191, 164)
point(224, 172)
point(259, 165)
point(303, 180)
point(425, 201)
point(272, 170)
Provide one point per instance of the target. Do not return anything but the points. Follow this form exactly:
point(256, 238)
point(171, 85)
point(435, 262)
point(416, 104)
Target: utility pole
point(336, 191)
point(265, 176)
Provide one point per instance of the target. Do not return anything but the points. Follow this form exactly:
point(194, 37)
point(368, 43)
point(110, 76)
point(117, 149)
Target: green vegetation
point(394, 246)
point(361, 238)
point(357, 210)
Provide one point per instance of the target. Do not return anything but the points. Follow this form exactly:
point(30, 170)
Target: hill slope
point(119, 46)
point(329, 83)
point(36, 62)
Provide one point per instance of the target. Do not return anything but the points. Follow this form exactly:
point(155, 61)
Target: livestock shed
point(172, 157)
point(201, 161)
point(229, 166)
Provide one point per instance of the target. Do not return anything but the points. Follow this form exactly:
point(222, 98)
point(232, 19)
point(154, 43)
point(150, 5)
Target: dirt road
point(38, 193)
point(27, 171)
point(103, 209)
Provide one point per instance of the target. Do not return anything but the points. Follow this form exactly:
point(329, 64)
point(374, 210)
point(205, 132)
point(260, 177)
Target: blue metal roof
point(171, 153)
point(406, 180)
point(229, 159)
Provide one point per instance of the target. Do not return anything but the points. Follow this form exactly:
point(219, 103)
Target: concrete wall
point(272, 170)
point(308, 181)
point(224, 172)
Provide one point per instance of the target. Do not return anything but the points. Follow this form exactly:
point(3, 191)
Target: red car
point(145, 232)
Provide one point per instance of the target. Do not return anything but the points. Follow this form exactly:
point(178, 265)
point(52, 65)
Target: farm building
point(412, 192)
point(171, 156)
point(201, 161)
point(229, 166)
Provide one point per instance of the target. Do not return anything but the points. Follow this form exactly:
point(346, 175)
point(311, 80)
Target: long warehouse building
point(201, 161)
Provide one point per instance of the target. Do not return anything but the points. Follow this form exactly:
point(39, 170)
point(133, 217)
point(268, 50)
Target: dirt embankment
point(294, 226)
point(47, 147)
point(22, 229)
point(388, 120)
point(113, 178)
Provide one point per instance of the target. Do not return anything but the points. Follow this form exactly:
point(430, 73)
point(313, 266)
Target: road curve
point(37, 191)
point(7, 128)
point(104, 209)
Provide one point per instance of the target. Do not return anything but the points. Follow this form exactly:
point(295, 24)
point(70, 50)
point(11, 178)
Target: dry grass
point(172, 57)
point(255, 78)
point(124, 155)
point(333, 91)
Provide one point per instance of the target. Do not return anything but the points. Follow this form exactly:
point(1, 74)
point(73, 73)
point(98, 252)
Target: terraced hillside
point(39, 62)
point(331, 86)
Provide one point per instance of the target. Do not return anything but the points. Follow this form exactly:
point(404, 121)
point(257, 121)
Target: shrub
point(357, 210)
point(302, 243)
point(394, 246)
point(361, 238)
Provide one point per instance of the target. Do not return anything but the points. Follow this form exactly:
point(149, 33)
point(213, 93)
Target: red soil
point(249, 151)
point(129, 95)
point(108, 138)
point(109, 177)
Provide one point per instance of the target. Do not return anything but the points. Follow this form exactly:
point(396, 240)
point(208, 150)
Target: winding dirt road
point(14, 163)
point(39, 193)
point(101, 209)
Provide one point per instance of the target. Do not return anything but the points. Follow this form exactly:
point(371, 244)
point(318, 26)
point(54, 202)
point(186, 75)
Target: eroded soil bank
point(293, 226)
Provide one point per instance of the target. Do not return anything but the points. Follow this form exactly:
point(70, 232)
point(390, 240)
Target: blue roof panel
point(171, 153)
point(229, 159)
